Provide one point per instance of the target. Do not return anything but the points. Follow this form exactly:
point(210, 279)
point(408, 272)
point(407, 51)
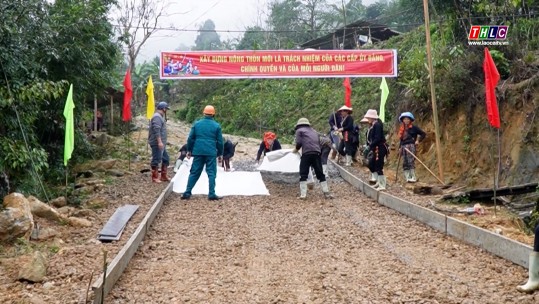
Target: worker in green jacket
point(204, 144)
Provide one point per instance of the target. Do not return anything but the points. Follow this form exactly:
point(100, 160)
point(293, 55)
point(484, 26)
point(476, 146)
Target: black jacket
point(376, 135)
point(410, 135)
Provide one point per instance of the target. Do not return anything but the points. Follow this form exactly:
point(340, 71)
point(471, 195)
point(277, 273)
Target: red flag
point(491, 81)
point(128, 93)
point(347, 92)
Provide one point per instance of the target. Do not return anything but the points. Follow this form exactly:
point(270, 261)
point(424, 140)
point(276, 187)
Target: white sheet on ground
point(280, 161)
point(226, 183)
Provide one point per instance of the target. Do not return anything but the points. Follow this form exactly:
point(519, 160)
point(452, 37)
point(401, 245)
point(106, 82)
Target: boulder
point(43, 210)
point(59, 202)
point(16, 219)
point(79, 222)
point(96, 203)
point(35, 269)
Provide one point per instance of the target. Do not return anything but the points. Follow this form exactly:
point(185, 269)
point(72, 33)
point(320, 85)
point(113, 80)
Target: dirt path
point(282, 250)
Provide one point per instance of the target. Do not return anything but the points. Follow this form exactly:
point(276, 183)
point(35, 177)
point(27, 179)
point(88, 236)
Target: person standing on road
point(335, 122)
point(410, 136)
point(377, 145)
point(157, 139)
point(269, 143)
point(308, 141)
point(533, 267)
point(204, 144)
point(346, 146)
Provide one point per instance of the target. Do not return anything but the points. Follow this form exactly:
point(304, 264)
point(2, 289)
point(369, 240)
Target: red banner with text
point(278, 64)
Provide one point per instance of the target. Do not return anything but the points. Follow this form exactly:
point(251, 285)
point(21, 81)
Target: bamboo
point(95, 113)
point(432, 92)
point(111, 113)
point(441, 181)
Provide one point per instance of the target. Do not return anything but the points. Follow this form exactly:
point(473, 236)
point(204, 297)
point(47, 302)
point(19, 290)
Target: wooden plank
point(488, 194)
point(120, 262)
point(117, 221)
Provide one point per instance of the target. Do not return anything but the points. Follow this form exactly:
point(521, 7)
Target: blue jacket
point(205, 138)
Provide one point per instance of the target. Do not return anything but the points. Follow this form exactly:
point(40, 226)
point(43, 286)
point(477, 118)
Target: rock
point(66, 210)
point(83, 191)
point(59, 202)
point(96, 203)
point(43, 210)
point(16, 220)
point(48, 285)
point(83, 213)
point(35, 270)
point(42, 234)
point(102, 139)
point(106, 164)
point(93, 182)
point(116, 173)
point(78, 222)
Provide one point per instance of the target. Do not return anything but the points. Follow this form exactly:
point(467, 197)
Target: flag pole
point(497, 172)
point(432, 91)
point(128, 146)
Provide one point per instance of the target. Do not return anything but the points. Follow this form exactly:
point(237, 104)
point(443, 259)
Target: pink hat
point(371, 114)
point(364, 120)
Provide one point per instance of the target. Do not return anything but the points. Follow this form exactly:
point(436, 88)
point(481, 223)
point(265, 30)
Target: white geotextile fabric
point(226, 183)
point(281, 161)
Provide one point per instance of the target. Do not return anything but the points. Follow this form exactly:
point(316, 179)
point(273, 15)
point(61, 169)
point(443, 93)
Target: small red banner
point(278, 64)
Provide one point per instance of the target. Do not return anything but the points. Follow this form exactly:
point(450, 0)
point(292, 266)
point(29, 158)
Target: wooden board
point(116, 223)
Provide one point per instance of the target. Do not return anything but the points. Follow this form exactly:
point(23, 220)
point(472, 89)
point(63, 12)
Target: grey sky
point(233, 15)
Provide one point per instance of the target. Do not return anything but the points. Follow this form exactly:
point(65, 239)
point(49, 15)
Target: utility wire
point(176, 29)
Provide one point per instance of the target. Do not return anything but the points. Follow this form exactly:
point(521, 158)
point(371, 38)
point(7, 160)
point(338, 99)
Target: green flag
point(69, 144)
point(385, 93)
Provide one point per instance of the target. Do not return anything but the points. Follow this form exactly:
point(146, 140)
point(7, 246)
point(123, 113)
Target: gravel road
point(279, 249)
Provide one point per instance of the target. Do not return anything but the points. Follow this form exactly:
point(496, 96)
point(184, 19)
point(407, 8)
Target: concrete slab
point(371, 192)
point(432, 218)
point(494, 243)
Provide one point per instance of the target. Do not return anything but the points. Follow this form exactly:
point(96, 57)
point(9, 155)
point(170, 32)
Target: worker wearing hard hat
point(205, 144)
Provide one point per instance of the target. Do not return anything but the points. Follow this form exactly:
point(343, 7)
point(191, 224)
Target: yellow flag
point(151, 101)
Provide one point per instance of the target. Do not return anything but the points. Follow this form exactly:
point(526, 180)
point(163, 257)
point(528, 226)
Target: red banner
point(278, 64)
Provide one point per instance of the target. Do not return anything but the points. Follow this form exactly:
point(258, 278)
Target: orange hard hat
point(209, 110)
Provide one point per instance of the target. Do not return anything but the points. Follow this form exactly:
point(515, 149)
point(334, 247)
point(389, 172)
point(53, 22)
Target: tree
point(284, 21)
point(312, 17)
point(41, 52)
point(207, 38)
point(253, 39)
point(138, 20)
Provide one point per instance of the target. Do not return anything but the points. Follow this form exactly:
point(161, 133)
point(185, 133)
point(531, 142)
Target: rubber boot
point(412, 179)
point(407, 175)
point(382, 183)
point(164, 177)
point(374, 177)
point(325, 170)
point(348, 160)
point(177, 165)
point(533, 274)
point(303, 190)
point(325, 189)
point(155, 175)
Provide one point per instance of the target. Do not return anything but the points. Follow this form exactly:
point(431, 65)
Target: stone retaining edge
point(493, 243)
point(121, 260)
